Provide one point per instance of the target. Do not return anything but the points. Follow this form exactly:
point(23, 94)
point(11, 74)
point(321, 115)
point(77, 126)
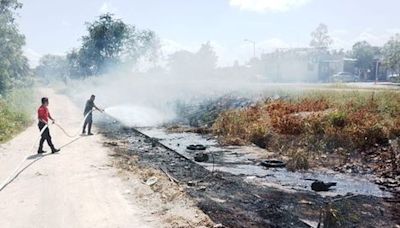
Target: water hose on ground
point(79, 130)
point(14, 174)
point(17, 171)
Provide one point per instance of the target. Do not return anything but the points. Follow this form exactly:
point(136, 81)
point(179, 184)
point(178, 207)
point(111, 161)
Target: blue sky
point(55, 26)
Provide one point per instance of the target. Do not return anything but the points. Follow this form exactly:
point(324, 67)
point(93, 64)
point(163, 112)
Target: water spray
point(139, 116)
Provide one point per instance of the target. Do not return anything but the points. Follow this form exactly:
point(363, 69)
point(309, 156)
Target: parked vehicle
point(394, 78)
point(345, 77)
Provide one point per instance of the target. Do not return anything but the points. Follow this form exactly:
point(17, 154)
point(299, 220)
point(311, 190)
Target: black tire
point(273, 164)
point(196, 147)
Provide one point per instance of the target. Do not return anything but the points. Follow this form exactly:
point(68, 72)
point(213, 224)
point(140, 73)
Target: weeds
point(298, 160)
point(15, 111)
point(346, 119)
point(338, 119)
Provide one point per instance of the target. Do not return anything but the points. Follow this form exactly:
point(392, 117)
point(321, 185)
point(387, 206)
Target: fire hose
point(17, 171)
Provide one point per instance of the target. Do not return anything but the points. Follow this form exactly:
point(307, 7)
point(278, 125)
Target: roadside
point(79, 186)
point(15, 112)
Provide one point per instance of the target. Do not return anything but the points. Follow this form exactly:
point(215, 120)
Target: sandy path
point(75, 188)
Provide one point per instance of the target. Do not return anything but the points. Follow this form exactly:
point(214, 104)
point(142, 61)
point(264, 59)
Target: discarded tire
point(196, 147)
point(201, 157)
point(273, 164)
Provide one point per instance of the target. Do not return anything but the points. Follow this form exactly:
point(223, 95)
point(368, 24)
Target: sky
point(55, 26)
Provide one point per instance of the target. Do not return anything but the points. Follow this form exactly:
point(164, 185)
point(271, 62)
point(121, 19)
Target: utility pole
point(376, 71)
point(254, 46)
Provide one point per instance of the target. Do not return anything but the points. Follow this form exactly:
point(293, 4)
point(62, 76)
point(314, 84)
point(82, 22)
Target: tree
point(103, 45)
point(207, 57)
point(141, 43)
point(182, 62)
point(365, 54)
point(109, 43)
point(201, 63)
point(52, 67)
point(320, 38)
point(391, 54)
point(13, 64)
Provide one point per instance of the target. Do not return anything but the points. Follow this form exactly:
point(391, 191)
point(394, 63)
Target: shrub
point(298, 160)
point(304, 105)
point(338, 119)
point(287, 124)
point(315, 124)
point(351, 120)
point(14, 114)
point(286, 116)
point(395, 129)
point(242, 126)
point(260, 136)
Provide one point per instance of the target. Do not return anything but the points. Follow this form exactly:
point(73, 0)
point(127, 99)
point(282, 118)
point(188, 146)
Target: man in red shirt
point(44, 116)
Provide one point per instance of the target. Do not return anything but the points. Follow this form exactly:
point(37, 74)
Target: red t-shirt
point(43, 114)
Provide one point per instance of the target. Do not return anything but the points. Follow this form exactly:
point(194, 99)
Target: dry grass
point(239, 127)
point(350, 120)
point(298, 160)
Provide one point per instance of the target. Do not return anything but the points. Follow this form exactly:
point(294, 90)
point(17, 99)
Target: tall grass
point(16, 112)
point(333, 119)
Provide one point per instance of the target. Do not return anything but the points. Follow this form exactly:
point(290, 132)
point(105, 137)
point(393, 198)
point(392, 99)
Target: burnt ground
point(229, 200)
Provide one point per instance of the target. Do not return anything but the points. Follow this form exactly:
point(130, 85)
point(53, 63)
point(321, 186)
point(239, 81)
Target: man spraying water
point(88, 114)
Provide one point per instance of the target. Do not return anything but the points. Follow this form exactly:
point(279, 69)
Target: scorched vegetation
point(336, 123)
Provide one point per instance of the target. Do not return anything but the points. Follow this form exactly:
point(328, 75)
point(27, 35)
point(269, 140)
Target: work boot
point(55, 151)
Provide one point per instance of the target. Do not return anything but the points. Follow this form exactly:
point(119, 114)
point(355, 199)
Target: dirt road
point(75, 188)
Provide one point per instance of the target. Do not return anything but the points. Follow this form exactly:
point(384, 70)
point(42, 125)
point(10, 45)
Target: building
point(304, 65)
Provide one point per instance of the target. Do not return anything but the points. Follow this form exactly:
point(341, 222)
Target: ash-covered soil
point(229, 200)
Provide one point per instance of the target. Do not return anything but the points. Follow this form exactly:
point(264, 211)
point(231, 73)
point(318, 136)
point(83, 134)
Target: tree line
point(14, 68)
point(109, 43)
point(112, 43)
point(363, 59)
point(365, 54)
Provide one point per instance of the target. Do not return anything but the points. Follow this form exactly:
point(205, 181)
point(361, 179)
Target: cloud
point(375, 38)
point(65, 23)
point(170, 46)
point(268, 5)
point(393, 30)
point(107, 7)
point(272, 44)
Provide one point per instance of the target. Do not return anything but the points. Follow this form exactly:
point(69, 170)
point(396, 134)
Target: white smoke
point(149, 99)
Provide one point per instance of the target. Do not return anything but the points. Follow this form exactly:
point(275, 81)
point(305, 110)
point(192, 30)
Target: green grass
point(16, 112)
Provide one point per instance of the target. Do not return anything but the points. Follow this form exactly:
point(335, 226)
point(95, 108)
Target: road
point(75, 188)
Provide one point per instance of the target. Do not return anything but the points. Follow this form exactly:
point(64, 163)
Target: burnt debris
point(320, 186)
